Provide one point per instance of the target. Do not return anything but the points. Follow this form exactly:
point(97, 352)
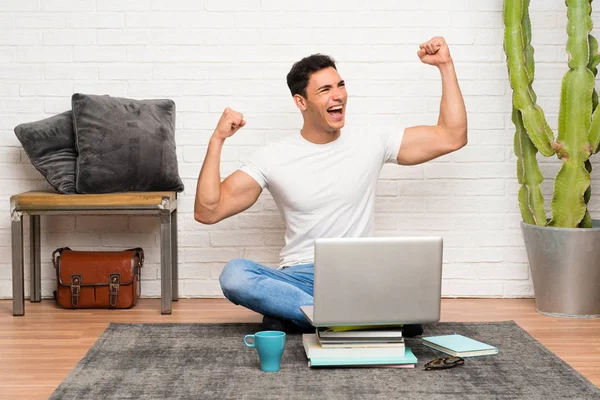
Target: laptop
point(376, 281)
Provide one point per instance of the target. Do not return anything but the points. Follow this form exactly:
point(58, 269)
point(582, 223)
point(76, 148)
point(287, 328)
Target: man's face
point(326, 99)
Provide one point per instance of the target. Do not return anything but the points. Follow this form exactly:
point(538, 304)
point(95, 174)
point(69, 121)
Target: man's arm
point(216, 200)
point(424, 143)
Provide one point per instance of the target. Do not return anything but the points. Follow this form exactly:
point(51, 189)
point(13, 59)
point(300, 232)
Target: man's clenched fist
point(434, 52)
point(229, 123)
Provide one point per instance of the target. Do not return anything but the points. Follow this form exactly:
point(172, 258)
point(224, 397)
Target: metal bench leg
point(166, 277)
point(174, 265)
point(36, 264)
point(18, 277)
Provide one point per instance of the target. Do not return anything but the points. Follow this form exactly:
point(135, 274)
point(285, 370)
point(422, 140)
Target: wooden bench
point(37, 203)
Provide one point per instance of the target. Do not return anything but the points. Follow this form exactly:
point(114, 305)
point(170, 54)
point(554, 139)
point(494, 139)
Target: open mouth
point(336, 111)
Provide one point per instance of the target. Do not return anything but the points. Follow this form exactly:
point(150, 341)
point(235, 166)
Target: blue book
point(459, 345)
point(409, 360)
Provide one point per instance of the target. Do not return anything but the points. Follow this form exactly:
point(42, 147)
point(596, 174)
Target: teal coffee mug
point(269, 345)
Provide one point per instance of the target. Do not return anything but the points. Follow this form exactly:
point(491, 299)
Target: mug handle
point(246, 341)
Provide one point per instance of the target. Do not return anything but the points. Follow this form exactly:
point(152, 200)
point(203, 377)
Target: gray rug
point(205, 361)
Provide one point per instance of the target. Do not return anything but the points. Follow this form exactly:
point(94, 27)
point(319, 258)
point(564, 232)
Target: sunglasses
point(444, 363)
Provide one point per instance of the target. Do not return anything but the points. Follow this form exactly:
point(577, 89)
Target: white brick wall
point(208, 54)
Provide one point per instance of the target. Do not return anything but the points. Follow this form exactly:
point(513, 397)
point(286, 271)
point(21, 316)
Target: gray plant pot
point(565, 269)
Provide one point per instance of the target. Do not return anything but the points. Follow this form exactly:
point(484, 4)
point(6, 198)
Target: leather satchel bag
point(97, 279)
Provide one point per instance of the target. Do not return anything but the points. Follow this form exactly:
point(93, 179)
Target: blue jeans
point(268, 291)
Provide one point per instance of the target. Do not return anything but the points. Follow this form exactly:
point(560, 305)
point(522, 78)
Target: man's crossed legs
point(272, 292)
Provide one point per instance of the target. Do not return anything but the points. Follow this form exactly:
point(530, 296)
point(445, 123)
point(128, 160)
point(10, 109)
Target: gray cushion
point(50, 145)
point(125, 145)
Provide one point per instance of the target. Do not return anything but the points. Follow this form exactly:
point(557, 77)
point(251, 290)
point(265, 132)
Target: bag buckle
point(115, 280)
point(75, 289)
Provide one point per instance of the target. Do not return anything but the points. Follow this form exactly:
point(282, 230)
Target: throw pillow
point(125, 145)
point(50, 145)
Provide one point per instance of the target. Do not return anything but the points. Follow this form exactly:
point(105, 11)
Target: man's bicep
point(423, 143)
point(239, 191)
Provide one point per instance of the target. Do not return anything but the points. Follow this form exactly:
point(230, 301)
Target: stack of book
point(381, 347)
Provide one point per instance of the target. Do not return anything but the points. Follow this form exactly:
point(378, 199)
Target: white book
point(382, 341)
point(375, 333)
point(327, 345)
point(314, 350)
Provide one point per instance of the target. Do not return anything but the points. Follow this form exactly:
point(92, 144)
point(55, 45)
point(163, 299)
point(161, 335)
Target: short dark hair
point(297, 78)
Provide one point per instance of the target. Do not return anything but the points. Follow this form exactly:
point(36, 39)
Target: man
point(322, 181)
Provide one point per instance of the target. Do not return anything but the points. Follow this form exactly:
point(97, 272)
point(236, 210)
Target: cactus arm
point(516, 21)
point(594, 135)
point(526, 40)
point(531, 200)
point(574, 120)
point(593, 62)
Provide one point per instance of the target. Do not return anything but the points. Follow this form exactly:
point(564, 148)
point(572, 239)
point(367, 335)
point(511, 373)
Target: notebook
point(313, 349)
point(375, 332)
point(377, 338)
point(459, 345)
point(389, 330)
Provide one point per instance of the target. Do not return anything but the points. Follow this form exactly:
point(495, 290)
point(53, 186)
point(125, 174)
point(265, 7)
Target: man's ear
point(300, 102)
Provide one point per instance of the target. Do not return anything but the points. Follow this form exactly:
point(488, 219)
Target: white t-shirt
point(323, 190)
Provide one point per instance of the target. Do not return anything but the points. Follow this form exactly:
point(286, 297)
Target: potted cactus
point(563, 249)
